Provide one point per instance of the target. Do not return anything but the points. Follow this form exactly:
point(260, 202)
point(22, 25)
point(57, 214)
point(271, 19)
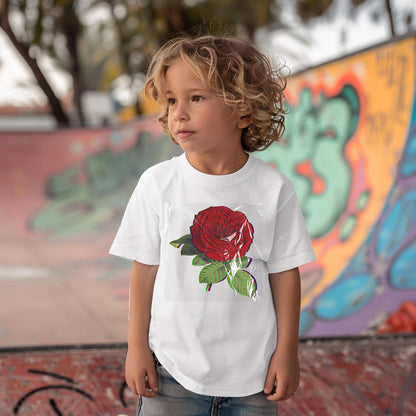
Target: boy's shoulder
point(270, 172)
point(161, 168)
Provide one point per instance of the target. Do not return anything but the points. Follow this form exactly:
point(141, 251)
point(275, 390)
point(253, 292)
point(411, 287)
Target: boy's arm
point(140, 369)
point(284, 363)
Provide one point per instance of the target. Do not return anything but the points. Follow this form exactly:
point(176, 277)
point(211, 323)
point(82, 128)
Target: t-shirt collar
point(204, 178)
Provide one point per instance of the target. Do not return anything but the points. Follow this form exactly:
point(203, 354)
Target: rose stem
point(208, 287)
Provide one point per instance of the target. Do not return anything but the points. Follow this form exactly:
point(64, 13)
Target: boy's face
point(199, 121)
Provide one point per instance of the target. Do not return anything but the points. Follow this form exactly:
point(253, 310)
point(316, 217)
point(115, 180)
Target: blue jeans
point(175, 400)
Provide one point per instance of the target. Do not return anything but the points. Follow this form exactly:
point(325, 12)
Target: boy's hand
point(284, 374)
point(140, 372)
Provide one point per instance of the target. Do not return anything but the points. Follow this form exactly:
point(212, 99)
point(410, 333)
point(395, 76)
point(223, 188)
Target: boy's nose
point(181, 113)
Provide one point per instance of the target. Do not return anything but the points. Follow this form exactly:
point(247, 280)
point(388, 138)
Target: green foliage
point(200, 260)
point(185, 239)
point(45, 22)
point(243, 283)
point(189, 250)
point(309, 9)
point(134, 29)
point(357, 2)
point(213, 273)
point(142, 26)
point(216, 271)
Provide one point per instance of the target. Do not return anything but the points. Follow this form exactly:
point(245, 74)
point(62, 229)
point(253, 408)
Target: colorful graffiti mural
point(58, 186)
point(349, 149)
point(62, 196)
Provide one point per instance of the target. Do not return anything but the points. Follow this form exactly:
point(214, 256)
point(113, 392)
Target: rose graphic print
point(221, 234)
point(219, 239)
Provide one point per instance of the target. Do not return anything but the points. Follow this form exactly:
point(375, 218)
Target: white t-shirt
point(215, 238)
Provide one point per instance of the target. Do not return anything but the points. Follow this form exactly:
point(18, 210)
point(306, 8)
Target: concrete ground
point(340, 377)
point(63, 309)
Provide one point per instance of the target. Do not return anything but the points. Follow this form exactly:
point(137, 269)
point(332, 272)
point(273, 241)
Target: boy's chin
point(187, 147)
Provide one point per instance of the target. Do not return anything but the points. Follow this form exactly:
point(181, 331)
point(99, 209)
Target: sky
point(17, 84)
point(322, 41)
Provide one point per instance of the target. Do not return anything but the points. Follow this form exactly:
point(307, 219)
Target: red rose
point(221, 234)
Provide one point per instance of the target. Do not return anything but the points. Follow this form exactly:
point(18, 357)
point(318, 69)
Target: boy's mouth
point(183, 133)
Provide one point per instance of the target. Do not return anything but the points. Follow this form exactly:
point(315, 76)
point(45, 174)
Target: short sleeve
point(138, 236)
point(292, 246)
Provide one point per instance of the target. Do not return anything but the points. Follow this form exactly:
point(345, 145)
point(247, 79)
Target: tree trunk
point(71, 35)
point(391, 21)
point(58, 112)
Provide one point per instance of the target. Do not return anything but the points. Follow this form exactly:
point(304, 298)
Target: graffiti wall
point(64, 192)
point(62, 195)
point(349, 149)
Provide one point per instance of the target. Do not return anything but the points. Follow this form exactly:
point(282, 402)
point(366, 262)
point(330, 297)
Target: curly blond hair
point(233, 70)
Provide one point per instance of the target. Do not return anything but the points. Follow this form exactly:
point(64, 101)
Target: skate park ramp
point(63, 194)
point(349, 149)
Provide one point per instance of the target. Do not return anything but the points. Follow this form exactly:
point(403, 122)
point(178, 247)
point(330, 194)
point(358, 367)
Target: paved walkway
point(343, 377)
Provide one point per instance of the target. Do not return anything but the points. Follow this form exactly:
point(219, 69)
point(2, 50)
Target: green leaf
point(213, 273)
point(239, 262)
point(243, 283)
point(185, 239)
point(201, 260)
point(245, 261)
point(189, 250)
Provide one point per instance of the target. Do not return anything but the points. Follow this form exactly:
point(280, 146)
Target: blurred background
point(75, 135)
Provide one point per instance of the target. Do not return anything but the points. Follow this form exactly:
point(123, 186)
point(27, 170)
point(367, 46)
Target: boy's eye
point(197, 98)
point(171, 101)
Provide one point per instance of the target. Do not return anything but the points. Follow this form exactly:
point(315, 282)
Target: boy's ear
point(244, 122)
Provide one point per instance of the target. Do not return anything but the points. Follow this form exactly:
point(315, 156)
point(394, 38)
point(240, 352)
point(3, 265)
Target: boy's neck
point(217, 165)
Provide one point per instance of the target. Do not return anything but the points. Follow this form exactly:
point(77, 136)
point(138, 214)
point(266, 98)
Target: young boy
point(216, 236)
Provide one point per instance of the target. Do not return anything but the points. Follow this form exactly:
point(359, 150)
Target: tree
point(24, 49)
point(141, 26)
point(309, 9)
point(55, 27)
point(50, 27)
